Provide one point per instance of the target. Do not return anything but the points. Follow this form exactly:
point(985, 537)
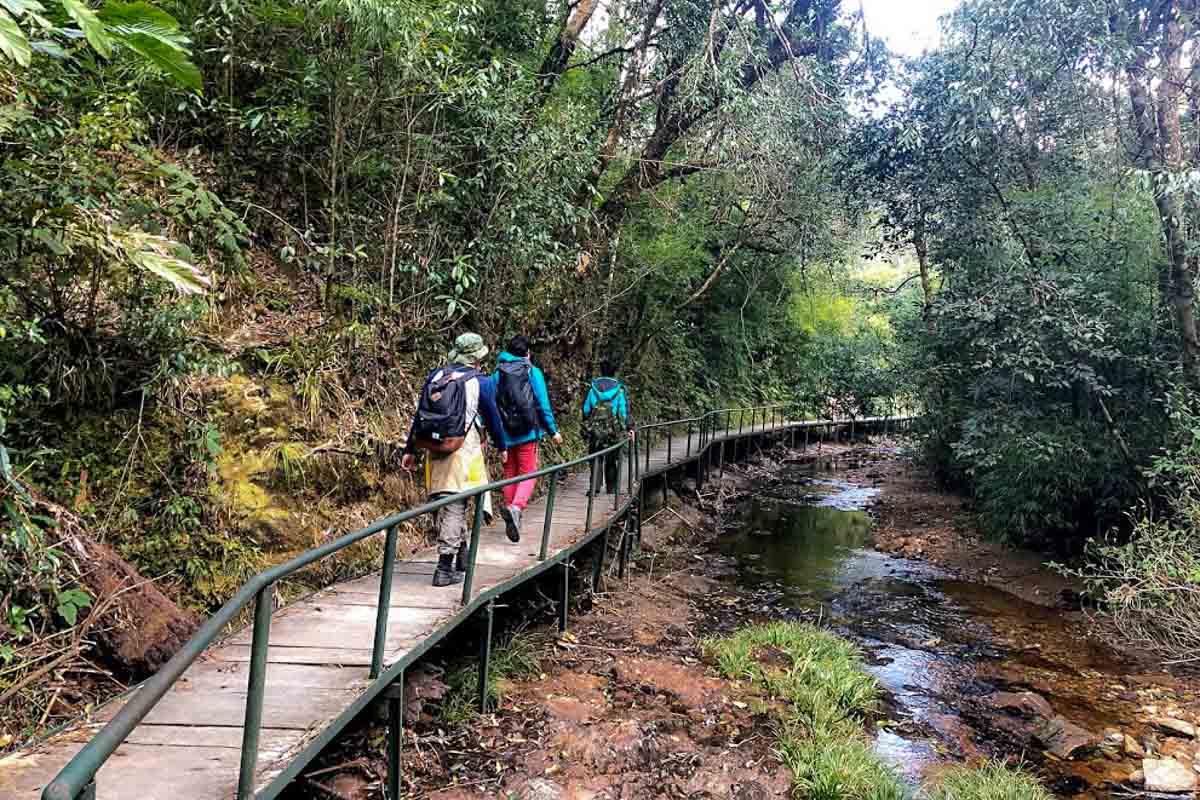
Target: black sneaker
point(512, 522)
point(445, 575)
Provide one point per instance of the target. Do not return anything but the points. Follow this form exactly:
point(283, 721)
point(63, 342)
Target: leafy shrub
point(39, 591)
point(1150, 580)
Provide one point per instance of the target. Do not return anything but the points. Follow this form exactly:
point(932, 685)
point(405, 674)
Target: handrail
point(81, 769)
point(76, 778)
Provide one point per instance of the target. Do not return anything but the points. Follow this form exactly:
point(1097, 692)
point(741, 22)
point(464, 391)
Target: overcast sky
point(909, 26)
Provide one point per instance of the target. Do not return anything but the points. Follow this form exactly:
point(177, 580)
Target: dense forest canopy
point(234, 234)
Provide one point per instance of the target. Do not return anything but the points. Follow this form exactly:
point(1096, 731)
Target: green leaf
point(13, 43)
point(91, 26)
point(69, 612)
point(48, 48)
point(155, 36)
point(168, 58)
point(129, 18)
point(156, 254)
point(11, 115)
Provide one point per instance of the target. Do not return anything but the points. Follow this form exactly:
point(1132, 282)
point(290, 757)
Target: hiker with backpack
point(525, 412)
point(453, 400)
point(606, 421)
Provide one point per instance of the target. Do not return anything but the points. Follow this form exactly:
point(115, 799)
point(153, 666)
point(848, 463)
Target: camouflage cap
point(468, 348)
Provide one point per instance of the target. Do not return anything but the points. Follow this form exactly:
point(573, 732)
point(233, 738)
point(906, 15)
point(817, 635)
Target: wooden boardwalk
point(188, 747)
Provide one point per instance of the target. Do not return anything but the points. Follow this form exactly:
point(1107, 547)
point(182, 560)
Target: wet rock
point(1168, 775)
point(1132, 748)
point(1174, 727)
point(1025, 704)
point(1064, 738)
point(1179, 750)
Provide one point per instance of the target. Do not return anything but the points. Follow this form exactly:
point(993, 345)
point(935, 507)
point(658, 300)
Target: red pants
point(522, 458)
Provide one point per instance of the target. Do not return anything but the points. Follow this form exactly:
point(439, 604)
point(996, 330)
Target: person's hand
point(408, 462)
point(503, 456)
point(631, 435)
point(556, 438)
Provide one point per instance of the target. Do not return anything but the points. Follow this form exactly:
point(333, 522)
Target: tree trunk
point(1182, 297)
point(922, 247)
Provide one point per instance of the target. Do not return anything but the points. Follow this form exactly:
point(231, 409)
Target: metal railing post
point(485, 654)
point(546, 526)
point(566, 588)
point(473, 553)
point(741, 420)
point(670, 440)
point(689, 440)
point(256, 685)
point(598, 559)
point(630, 465)
point(385, 601)
point(395, 697)
point(591, 498)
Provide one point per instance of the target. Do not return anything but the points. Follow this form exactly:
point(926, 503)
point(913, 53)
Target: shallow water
point(940, 647)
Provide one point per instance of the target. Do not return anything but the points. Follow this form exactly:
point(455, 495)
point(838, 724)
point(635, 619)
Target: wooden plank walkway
point(189, 746)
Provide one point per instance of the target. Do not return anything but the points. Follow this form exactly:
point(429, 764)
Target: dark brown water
point(941, 647)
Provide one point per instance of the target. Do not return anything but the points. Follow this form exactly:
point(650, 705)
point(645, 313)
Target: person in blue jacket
point(606, 421)
point(524, 404)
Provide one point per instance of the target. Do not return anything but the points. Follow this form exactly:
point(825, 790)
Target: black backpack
point(514, 398)
point(441, 423)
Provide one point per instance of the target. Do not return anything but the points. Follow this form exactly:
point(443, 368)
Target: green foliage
point(41, 594)
point(1150, 580)
point(1042, 357)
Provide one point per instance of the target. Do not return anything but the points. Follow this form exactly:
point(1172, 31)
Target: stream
point(969, 671)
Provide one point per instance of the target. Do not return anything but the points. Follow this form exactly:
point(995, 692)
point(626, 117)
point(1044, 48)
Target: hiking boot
point(460, 560)
point(445, 575)
point(512, 522)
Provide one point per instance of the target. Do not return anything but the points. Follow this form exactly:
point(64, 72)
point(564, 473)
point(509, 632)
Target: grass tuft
point(821, 678)
point(992, 781)
point(825, 768)
point(516, 658)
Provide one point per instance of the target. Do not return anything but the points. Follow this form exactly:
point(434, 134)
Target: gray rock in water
point(1168, 775)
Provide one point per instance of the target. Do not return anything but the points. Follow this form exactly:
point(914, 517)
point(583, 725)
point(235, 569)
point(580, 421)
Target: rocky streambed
point(984, 652)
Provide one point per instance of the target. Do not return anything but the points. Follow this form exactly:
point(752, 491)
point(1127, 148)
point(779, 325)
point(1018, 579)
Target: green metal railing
point(76, 780)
